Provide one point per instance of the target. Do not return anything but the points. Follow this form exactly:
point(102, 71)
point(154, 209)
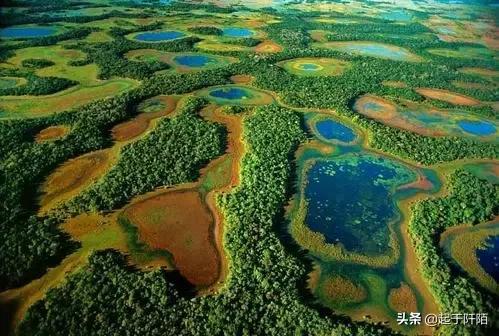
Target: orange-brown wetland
point(268, 46)
point(402, 299)
point(185, 220)
point(73, 176)
point(448, 96)
point(135, 127)
point(241, 79)
point(181, 224)
point(51, 133)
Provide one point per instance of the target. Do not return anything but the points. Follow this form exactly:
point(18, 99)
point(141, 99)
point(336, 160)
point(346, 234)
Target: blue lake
point(332, 130)
point(480, 128)
point(193, 61)
point(351, 201)
point(488, 257)
point(233, 93)
point(237, 32)
point(158, 36)
point(27, 32)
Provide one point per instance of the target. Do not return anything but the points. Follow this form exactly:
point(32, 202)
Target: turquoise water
point(194, 61)
point(397, 15)
point(480, 128)
point(27, 32)
point(445, 30)
point(373, 107)
point(158, 36)
point(376, 50)
point(488, 257)
point(309, 67)
point(332, 130)
point(351, 200)
point(237, 32)
point(233, 93)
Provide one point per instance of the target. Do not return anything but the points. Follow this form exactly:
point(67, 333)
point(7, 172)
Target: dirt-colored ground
point(422, 183)
point(268, 46)
point(235, 150)
point(241, 79)
point(402, 299)
point(73, 176)
point(342, 290)
point(51, 133)
point(387, 114)
point(135, 127)
point(180, 223)
point(471, 85)
point(480, 71)
point(448, 96)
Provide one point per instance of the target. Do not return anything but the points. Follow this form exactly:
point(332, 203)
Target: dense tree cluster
point(260, 297)
point(206, 30)
point(472, 201)
point(36, 63)
point(25, 163)
point(36, 85)
point(171, 154)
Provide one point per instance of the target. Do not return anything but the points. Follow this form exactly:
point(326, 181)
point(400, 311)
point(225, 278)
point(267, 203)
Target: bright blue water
point(309, 66)
point(237, 32)
point(194, 61)
point(27, 32)
point(351, 202)
point(332, 130)
point(480, 128)
point(158, 36)
point(489, 257)
point(229, 93)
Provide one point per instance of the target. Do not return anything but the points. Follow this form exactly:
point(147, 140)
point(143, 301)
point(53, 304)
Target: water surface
point(159, 36)
point(27, 32)
point(351, 200)
point(480, 128)
point(194, 61)
point(488, 257)
point(333, 130)
point(237, 32)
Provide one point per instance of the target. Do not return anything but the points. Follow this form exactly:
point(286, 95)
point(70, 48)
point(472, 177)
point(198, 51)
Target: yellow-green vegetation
point(309, 66)
point(461, 242)
point(31, 106)
point(212, 45)
point(464, 52)
point(8, 82)
point(98, 37)
point(86, 75)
